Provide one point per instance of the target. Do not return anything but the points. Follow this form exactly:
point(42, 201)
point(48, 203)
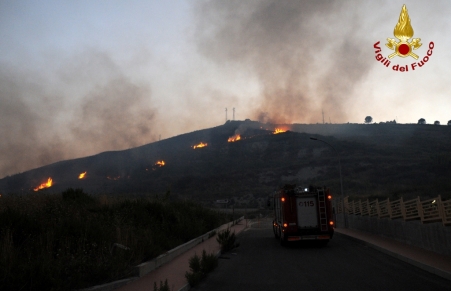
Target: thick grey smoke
point(97, 106)
point(307, 55)
point(113, 116)
point(24, 125)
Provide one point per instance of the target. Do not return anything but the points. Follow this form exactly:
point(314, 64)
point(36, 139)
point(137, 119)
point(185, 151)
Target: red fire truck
point(303, 214)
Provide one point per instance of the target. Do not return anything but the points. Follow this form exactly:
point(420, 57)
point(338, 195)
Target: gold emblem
point(403, 31)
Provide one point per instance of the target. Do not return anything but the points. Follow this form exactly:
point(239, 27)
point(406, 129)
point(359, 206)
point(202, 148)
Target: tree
point(368, 119)
point(421, 121)
point(437, 122)
point(449, 122)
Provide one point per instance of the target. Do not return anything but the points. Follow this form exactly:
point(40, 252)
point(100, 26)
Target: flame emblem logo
point(403, 31)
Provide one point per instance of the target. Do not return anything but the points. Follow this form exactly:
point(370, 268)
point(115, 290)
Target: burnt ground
point(378, 160)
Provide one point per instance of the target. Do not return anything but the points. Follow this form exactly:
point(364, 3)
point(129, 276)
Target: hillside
point(377, 160)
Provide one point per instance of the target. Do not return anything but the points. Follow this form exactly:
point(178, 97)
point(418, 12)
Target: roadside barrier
point(431, 210)
point(147, 267)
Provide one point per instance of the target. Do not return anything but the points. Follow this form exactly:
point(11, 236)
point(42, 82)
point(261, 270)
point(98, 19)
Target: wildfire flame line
point(234, 138)
point(201, 145)
point(278, 130)
point(160, 163)
point(47, 184)
point(82, 175)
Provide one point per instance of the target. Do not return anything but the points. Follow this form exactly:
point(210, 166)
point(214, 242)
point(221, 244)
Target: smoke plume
point(307, 55)
point(86, 106)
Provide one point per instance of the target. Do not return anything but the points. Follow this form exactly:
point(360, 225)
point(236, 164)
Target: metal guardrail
point(446, 212)
point(431, 210)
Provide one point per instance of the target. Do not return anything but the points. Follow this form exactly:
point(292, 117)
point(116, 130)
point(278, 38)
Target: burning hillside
point(47, 184)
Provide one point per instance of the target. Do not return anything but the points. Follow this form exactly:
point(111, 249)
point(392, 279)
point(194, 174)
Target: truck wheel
point(283, 240)
point(274, 229)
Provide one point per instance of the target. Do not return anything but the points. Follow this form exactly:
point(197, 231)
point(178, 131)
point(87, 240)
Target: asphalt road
point(260, 263)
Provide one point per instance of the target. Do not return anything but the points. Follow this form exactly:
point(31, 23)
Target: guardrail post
point(446, 210)
point(441, 211)
point(389, 208)
point(420, 209)
point(403, 209)
point(346, 203)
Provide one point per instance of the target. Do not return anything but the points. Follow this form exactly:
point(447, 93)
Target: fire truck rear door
point(307, 211)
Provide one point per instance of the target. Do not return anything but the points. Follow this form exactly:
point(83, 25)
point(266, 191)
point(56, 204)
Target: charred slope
point(377, 160)
point(135, 170)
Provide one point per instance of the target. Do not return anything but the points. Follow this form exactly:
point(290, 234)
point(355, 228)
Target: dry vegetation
point(73, 240)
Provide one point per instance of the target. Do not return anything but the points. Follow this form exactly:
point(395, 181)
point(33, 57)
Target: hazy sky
point(82, 77)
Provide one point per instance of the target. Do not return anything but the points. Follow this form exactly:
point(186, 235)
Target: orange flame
point(160, 163)
point(234, 138)
point(278, 130)
point(48, 184)
point(82, 175)
point(201, 145)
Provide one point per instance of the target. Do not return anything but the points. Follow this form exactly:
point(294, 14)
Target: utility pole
point(233, 113)
point(226, 114)
point(323, 115)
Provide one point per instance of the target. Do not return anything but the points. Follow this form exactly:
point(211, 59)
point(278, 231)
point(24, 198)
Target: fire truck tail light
point(329, 197)
point(285, 225)
point(331, 222)
point(283, 199)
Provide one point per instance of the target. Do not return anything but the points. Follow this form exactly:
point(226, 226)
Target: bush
point(163, 287)
point(227, 240)
point(65, 241)
point(208, 262)
point(200, 267)
point(77, 196)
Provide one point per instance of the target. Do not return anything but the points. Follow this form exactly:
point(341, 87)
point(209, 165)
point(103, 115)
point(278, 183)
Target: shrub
point(208, 262)
point(195, 275)
point(200, 267)
point(77, 196)
point(64, 242)
point(227, 240)
point(163, 287)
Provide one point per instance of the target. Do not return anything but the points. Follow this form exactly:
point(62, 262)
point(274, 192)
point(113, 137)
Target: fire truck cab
point(303, 214)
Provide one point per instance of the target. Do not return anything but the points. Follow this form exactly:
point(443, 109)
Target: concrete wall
point(431, 236)
point(147, 267)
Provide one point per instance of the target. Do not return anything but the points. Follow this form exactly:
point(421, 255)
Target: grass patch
point(73, 240)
